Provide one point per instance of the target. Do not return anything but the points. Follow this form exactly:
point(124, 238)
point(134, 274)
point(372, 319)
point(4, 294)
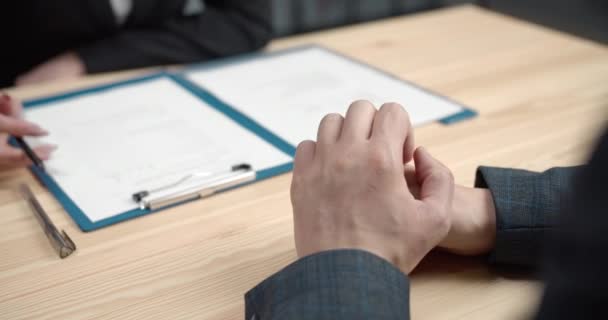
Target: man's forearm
point(528, 205)
point(336, 285)
point(508, 214)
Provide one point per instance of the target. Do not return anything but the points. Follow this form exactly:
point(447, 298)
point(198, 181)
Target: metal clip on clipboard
point(181, 191)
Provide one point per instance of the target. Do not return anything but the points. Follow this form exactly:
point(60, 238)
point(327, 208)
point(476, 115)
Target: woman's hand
point(12, 124)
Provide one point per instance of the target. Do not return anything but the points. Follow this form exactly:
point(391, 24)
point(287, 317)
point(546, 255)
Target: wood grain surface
point(542, 98)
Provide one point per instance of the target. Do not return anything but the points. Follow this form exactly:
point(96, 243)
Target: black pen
point(29, 152)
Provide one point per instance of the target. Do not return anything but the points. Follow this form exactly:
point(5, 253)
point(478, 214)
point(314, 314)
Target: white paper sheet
point(289, 94)
point(115, 143)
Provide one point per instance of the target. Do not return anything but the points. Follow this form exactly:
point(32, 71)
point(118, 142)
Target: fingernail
point(37, 130)
point(45, 151)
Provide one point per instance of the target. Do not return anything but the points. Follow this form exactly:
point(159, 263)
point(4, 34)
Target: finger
point(20, 128)
point(392, 125)
point(305, 154)
point(435, 180)
point(13, 157)
point(10, 107)
point(44, 151)
point(329, 131)
point(358, 121)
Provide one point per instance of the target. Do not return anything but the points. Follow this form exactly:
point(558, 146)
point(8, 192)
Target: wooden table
point(542, 98)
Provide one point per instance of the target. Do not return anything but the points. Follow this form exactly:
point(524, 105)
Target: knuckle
point(304, 146)
point(397, 112)
point(392, 107)
point(361, 104)
point(329, 119)
point(443, 174)
point(342, 164)
point(380, 159)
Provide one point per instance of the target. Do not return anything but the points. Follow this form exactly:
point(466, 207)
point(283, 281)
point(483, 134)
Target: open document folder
point(141, 135)
point(166, 132)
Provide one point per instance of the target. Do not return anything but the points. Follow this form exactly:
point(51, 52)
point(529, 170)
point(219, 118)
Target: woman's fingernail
point(38, 130)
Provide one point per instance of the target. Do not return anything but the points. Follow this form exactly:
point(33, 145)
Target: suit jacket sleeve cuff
point(527, 206)
point(341, 284)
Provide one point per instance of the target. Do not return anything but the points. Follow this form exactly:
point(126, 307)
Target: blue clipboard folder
point(243, 120)
point(79, 216)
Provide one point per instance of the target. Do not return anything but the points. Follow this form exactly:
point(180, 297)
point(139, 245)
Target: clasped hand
point(349, 190)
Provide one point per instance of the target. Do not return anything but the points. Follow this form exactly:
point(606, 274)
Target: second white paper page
point(290, 93)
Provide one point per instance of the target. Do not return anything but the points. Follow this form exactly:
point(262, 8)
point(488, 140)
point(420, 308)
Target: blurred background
point(62, 40)
point(296, 16)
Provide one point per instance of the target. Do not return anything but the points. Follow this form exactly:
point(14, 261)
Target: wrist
point(473, 230)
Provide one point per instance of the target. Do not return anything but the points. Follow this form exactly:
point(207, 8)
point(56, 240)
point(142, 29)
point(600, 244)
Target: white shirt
point(122, 9)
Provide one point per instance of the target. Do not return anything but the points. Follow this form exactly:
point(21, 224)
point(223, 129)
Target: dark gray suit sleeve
point(154, 37)
point(528, 206)
point(332, 285)
point(577, 258)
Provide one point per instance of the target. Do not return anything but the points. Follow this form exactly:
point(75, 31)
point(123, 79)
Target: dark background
point(585, 18)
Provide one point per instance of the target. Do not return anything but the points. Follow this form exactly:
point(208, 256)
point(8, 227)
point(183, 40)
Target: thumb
point(18, 127)
point(435, 179)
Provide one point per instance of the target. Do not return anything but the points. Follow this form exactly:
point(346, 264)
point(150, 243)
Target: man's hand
point(11, 124)
point(65, 66)
point(473, 218)
point(349, 190)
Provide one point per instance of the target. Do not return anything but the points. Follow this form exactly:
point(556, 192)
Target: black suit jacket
point(560, 214)
point(157, 32)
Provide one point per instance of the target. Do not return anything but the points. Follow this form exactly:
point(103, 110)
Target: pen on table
point(59, 240)
point(29, 152)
